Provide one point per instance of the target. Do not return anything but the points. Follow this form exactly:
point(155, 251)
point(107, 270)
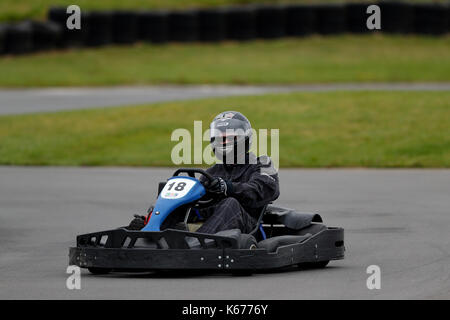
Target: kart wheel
point(247, 241)
point(313, 265)
point(99, 270)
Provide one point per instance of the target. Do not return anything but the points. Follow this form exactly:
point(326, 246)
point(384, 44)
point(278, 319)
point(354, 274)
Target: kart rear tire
point(98, 271)
point(313, 265)
point(242, 273)
point(247, 241)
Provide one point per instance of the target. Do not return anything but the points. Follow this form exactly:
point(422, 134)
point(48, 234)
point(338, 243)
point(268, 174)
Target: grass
point(347, 58)
point(334, 129)
point(37, 9)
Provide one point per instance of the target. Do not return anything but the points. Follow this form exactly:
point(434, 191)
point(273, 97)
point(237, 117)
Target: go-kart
point(282, 237)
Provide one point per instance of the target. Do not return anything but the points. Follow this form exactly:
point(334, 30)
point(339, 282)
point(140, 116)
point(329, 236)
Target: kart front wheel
point(99, 270)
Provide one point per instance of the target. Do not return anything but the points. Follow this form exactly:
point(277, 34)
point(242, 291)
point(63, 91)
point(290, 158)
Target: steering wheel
point(207, 199)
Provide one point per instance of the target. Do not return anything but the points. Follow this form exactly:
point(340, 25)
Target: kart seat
point(272, 244)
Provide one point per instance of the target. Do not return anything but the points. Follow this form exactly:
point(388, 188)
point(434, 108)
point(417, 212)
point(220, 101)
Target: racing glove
point(219, 186)
point(137, 223)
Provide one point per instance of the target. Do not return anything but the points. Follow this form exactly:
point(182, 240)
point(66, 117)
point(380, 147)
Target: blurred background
point(342, 94)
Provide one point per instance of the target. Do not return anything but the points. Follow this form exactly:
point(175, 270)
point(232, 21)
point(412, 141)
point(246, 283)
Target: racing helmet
point(231, 137)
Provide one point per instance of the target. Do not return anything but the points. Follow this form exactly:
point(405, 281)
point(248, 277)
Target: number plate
point(177, 188)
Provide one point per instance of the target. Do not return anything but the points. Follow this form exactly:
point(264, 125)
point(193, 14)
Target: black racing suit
point(253, 185)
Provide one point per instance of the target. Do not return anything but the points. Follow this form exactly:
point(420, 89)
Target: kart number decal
point(177, 188)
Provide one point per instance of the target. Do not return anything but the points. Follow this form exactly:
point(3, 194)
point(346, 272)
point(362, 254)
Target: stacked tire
point(212, 25)
point(241, 23)
point(431, 19)
point(19, 38)
point(183, 26)
point(397, 17)
point(153, 26)
point(357, 17)
point(98, 26)
point(270, 22)
point(46, 35)
point(124, 27)
point(300, 20)
point(3, 30)
point(331, 19)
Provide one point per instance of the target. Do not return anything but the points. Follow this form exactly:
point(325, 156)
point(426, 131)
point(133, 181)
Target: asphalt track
point(19, 101)
point(396, 219)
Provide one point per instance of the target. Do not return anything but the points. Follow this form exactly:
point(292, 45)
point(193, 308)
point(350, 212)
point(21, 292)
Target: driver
point(242, 182)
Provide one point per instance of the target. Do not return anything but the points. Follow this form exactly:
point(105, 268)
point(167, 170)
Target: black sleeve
point(261, 188)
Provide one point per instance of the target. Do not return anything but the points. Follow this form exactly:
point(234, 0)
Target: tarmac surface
point(19, 101)
point(396, 219)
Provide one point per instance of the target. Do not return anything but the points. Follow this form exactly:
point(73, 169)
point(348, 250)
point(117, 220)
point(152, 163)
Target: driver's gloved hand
point(219, 186)
point(137, 223)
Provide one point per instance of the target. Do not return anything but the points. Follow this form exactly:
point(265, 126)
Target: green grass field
point(337, 129)
point(315, 59)
point(37, 9)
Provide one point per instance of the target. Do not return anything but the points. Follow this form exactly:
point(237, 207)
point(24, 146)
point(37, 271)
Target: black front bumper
point(118, 254)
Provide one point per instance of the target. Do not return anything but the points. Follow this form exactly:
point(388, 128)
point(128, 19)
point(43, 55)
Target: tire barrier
point(357, 18)
point(240, 23)
point(183, 26)
point(331, 19)
point(3, 29)
point(45, 34)
point(270, 22)
point(19, 38)
point(397, 17)
point(98, 26)
point(69, 38)
point(300, 20)
point(212, 24)
point(217, 24)
point(124, 27)
point(153, 26)
point(431, 19)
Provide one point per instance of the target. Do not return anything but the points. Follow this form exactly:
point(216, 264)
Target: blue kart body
point(171, 198)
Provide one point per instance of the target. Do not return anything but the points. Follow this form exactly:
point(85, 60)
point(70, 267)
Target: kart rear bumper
point(323, 246)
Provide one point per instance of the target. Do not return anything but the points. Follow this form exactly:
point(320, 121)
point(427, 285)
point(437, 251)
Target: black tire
point(331, 18)
point(241, 273)
point(124, 27)
point(313, 265)
point(247, 241)
point(3, 30)
point(19, 38)
point(270, 22)
point(153, 26)
point(240, 23)
point(98, 271)
point(212, 24)
point(397, 17)
point(99, 28)
point(300, 20)
point(183, 26)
